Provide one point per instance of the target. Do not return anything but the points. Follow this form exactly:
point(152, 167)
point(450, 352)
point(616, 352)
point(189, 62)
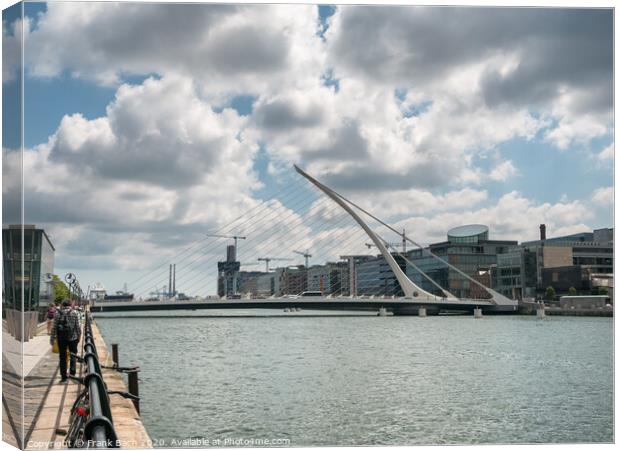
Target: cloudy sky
point(148, 124)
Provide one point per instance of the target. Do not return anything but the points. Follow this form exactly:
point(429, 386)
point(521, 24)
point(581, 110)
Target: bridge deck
point(310, 303)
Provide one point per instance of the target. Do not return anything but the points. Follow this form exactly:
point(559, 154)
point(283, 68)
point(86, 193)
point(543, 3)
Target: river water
point(299, 380)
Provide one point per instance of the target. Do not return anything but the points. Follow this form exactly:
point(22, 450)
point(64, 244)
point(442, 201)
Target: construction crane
point(305, 254)
point(269, 259)
point(234, 237)
point(394, 245)
point(369, 245)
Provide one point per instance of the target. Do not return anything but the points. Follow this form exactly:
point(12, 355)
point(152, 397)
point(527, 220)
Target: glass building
point(515, 275)
point(330, 278)
point(374, 277)
point(38, 261)
point(469, 249)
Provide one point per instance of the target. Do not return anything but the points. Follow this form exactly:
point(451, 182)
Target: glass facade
point(468, 234)
point(472, 254)
point(331, 278)
point(432, 267)
point(38, 267)
point(374, 277)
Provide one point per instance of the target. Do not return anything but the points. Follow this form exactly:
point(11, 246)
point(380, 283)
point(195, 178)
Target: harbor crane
point(269, 259)
point(306, 255)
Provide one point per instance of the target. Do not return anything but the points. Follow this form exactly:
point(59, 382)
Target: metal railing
point(98, 431)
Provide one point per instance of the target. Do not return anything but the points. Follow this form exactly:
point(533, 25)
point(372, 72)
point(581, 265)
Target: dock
point(48, 403)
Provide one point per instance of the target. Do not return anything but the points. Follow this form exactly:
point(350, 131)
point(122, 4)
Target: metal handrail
point(99, 429)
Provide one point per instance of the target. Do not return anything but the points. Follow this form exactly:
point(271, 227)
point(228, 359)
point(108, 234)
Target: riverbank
point(530, 308)
point(559, 311)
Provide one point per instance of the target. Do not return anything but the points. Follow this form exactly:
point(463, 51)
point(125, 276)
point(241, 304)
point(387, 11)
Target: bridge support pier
point(416, 310)
point(477, 312)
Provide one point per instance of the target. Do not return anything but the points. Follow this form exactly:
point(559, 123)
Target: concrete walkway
point(22, 405)
point(34, 350)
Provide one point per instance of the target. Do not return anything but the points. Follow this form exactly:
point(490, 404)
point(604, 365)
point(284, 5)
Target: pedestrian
point(66, 330)
point(51, 314)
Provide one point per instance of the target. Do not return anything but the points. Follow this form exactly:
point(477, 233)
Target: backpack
point(63, 330)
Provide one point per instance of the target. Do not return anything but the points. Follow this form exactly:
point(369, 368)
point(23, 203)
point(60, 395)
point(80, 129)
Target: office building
point(247, 282)
point(469, 249)
point(292, 280)
point(353, 262)
point(515, 274)
point(569, 261)
point(374, 277)
point(330, 278)
point(36, 282)
point(267, 284)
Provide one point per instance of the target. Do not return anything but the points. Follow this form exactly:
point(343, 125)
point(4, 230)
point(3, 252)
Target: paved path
point(47, 403)
point(39, 366)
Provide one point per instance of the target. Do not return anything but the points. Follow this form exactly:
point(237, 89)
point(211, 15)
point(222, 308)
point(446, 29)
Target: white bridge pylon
point(410, 289)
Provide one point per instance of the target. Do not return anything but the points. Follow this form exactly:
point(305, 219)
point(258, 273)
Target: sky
point(146, 125)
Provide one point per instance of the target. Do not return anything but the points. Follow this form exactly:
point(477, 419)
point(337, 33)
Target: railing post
point(132, 379)
point(115, 354)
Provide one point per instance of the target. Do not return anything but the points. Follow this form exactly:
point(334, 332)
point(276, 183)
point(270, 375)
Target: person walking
point(51, 314)
point(66, 330)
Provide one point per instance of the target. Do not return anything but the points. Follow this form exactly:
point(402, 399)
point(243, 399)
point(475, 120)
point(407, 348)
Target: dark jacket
point(73, 320)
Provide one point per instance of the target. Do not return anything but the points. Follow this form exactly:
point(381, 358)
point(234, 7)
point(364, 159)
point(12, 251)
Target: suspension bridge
point(330, 225)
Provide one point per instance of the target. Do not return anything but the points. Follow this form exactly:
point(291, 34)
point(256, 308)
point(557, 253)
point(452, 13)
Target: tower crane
point(394, 245)
point(306, 255)
point(369, 245)
point(269, 259)
point(234, 237)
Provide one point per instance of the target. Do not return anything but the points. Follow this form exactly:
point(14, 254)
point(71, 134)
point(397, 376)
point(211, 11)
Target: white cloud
point(576, 126)
point(257, 44)
point(503, 171)
point(555, 62)
point(513, 217)
point(604, 196)
point(415, 202)
point(160, 162)
point(606, 154)
point(468, 88)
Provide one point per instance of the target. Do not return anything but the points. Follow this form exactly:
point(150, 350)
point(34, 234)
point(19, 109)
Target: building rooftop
point(468, 230)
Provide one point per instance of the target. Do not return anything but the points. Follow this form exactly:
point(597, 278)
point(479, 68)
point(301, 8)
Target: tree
point(599, 291)
point(60, 290)
point(550, 294)
point(572, 291)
